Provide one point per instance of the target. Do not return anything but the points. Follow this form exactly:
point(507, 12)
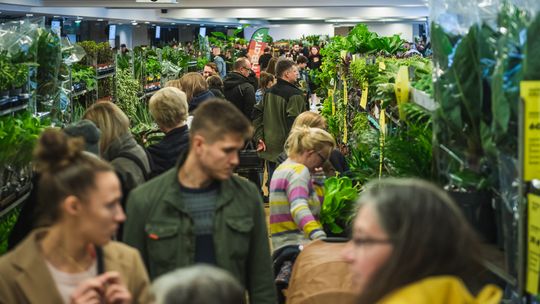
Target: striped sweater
point(295, 203)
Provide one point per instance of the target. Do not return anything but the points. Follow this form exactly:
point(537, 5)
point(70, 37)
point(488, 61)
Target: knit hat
point(87, 130)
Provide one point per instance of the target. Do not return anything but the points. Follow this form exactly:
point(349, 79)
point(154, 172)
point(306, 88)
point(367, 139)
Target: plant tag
point(530, 93)
point(364, 98)
point(533, 243)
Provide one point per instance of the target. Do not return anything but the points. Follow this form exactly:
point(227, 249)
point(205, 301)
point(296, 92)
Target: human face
point(246, 69)
point(101, 211)
point(291, 75)
point(314, 51)
point(219, 158)
point(315, 159)
point(207, 71)
point(369, 248)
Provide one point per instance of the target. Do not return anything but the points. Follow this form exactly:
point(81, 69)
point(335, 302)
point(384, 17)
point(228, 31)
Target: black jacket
point(239, 90)
point(166, 152)
point(197, 100)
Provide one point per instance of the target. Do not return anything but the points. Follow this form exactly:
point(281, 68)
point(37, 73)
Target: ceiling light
point(100, 20)
point(173, 23)
point(134, 23)
point(188, 24)
point(29, 15)
point(78, 21)
point(56, 16)
point(146, 22)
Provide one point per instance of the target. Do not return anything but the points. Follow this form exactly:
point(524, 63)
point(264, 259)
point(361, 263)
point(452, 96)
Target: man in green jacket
point(198, 212)
point(274, 116)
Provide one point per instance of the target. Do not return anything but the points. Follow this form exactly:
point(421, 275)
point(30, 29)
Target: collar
point(173, 189)
point(282, 81)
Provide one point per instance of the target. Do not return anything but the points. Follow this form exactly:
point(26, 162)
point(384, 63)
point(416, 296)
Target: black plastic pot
point(4, 94)
point(478, 211)
point(15, 92)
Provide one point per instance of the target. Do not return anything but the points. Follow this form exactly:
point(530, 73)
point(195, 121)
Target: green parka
point(159, 225)
point(274, 116)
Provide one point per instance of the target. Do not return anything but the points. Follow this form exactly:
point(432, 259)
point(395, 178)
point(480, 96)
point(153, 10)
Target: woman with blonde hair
point(196, 89)
point(118, 146)
point(169, 109)
point(336, 161)
point(73, 260)
point(294, 203)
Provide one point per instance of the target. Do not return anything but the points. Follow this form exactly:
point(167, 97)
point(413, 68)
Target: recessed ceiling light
point(29, 15)
point(173, 23)
point(100, 20)
point(56, 16)
point(146, 22)
point(188, 24)
point(226, 26)
point(78, 21)
point(134, 23)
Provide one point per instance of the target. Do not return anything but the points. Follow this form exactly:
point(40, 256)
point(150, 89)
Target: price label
point(533, 243)
point(530, 94)
point(364, 98)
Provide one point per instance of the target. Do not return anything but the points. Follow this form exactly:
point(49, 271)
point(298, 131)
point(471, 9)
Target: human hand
point(261, 146)
point(116, 292)
point(88, 292)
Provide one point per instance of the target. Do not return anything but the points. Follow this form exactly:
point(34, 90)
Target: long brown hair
point(429, 234)
point(271, 67)
point(193, 84)
point(111, 121)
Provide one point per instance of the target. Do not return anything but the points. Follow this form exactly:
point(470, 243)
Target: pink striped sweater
point(295, 203)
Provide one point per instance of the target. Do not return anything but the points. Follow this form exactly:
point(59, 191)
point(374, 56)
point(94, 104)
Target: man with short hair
point(274, 116)
point(238, 88)
point(198, 212)
point(219, 61)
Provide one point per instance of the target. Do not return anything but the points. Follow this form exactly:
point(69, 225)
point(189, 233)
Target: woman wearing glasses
point(411, 244)
point(73, 260)
point(294, 203)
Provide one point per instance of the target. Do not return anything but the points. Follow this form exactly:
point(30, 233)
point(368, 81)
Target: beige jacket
point(25, 278)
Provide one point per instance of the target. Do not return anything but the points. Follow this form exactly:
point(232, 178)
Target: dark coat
point(166, 152)
point(240, 91)
point(197, 100)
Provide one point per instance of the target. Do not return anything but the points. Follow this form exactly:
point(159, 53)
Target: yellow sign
point(382, 66)
point(345, 90)
point(530, 93)
point(382, 121)
point(331, 97)
point(533, 243)
point(364, 98)
point(402, 88)
point(345, 101)
point(382, 125)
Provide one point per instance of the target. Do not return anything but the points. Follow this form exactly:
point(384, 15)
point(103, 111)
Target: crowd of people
point(107, 217)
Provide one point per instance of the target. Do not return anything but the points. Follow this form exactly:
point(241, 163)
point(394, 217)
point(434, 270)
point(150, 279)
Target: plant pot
point(477, 209)
point(4, 94)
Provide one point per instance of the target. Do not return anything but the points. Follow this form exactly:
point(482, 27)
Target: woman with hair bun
point(73, 260)
point(294, 203)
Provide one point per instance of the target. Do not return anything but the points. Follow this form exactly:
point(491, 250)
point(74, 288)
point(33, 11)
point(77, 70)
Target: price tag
point(382, 66)
point(364, 98)
point(530, 93)
point(533, 243)
point(382, 121)
point(402, 88)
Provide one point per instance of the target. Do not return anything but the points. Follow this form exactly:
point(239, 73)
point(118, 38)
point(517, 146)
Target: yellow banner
point(533, 243)
point(530, 93)
point(401, 88)
point(382, 121)
point(345, 101)
point(345, 90)
point(364, 98)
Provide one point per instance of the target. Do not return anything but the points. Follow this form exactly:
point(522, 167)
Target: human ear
point(71, 205)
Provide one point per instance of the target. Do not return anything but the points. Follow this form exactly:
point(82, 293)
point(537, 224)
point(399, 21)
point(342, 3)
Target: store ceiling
point(230, 11)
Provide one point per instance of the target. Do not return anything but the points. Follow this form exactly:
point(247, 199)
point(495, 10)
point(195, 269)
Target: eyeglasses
point(362, 242)
point(323, 159)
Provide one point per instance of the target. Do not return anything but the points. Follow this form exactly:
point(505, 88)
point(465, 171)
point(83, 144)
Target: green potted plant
point(7, 74)
point(21, 79)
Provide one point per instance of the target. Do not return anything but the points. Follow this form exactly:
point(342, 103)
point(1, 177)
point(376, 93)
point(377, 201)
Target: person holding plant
point(395, 259)
point(294, 203)
point(73, 260)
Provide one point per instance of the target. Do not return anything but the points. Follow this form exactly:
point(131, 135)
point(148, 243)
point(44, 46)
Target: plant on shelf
point(7, 72)
point(49, 60)
point(91, 49)
point(21, 76)
point(84, 74)
point(104, 53)
point(127, 89)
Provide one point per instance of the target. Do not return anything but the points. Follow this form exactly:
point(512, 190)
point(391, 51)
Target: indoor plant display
point(338, 206)
point(7, 74)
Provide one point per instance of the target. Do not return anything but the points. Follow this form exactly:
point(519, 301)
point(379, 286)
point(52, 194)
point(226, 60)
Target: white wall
point(125, 34)
point(293, 31)
point(389, 29)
